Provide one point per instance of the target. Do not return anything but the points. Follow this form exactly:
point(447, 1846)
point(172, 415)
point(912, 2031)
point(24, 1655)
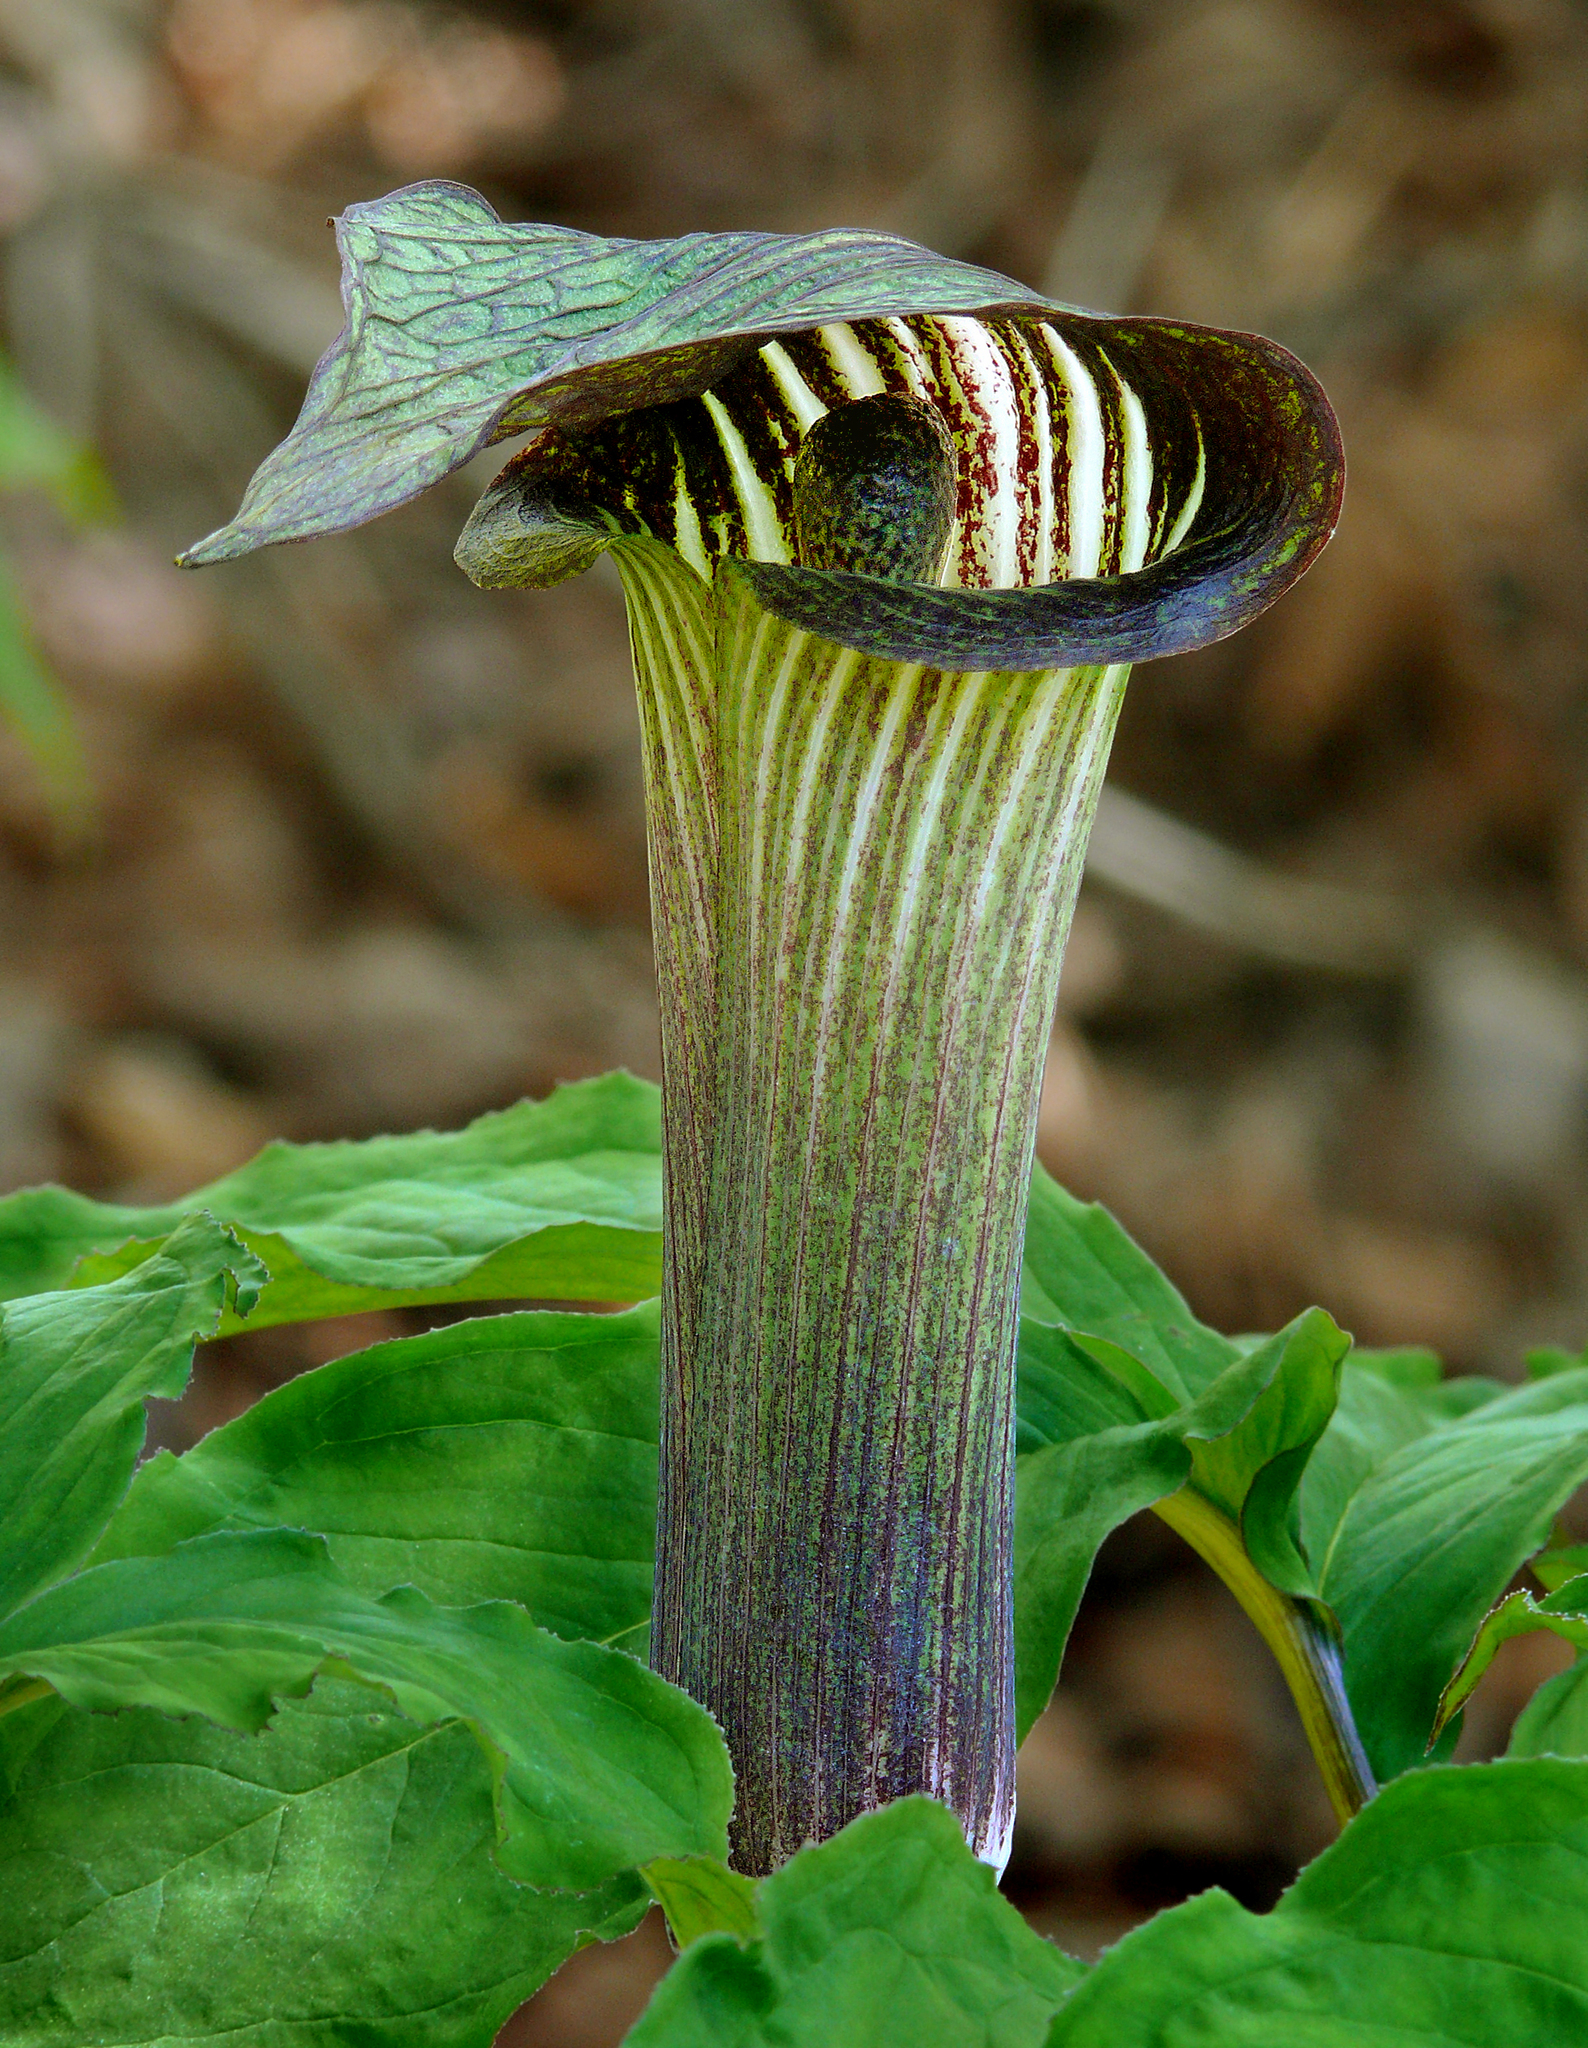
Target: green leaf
point(1071, 1493)
point(1254, 1471)
point(35, 452)
point(559, 1199)
point(75, 1369)
point(328, 1882)
point(1449, 1914)
point(1564, 1613)
point(601, 1765)
point(1550, 1359)
point(701, 1896)
point(32, 704)
point(511, 1457)
point(1417, 1519)
point(1123, 1397)
point(1085, 1274)
point(1555, 1720)
point(889, 1933)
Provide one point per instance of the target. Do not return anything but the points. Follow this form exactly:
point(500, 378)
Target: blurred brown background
point(366, 848)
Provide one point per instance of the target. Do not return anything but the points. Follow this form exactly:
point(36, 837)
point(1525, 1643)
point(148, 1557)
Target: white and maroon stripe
point(1057, 470)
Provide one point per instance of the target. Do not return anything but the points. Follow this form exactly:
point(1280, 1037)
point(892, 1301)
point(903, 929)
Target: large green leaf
point(1450, 1914)
point(602, 1765)
point(889, 1933)
point(1106, 1459)
point(75, 1369)
point(1124, 1398)
point(328, 1882)
point(1086, 1278)
point(559, 1199)
point(1416, 1517)
point(510, 1457)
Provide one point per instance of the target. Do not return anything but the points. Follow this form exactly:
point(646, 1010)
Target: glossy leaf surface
point(326, 1882)
point(1417, 1517)
point(890, 1933)
point(510, 1457)
point(559, 1199)
point(1449, 1913)
point(602, 1765)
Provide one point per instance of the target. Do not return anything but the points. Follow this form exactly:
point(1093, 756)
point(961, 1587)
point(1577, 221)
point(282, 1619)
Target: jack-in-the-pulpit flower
point(890, 530)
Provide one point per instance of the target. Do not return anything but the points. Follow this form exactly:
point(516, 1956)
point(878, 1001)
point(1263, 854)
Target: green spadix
point(890, 529)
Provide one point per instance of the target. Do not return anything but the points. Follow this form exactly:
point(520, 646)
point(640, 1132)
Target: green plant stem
point(1304, 1648)
point(898, 857)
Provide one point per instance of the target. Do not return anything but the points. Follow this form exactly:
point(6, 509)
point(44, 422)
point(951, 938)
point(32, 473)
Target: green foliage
point(265, 1704)
point(1395, 1501)
point(1564, 1613)
point(558, 1199)
point(563, 1764)
point(600, 1764)
point(35, 454)
point(74, 1372)
point(1417, 1517)
point(1555, 1720)
point(329, 1881)
point(510, 1457)
point(889, 1933)
point(1449, 1913)
point(701, 1896)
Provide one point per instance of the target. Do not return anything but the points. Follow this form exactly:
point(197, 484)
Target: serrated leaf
point(1449, 1913)
point(328, 1881)
point(1416, 1519)
point(75, 1369)
point(601, 1765)
point(510, 1457)
point(559, 1199)
point(890, 1933)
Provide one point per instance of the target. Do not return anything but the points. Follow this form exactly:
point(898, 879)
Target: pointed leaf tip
point(463, 329)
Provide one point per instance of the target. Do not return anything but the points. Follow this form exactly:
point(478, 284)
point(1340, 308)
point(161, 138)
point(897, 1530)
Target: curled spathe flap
point(1126, 488)
point(463, 329)
point(1193, 476)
